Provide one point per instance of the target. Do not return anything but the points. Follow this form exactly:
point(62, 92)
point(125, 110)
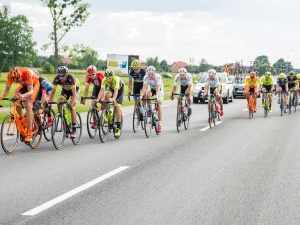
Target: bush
point(47, 68)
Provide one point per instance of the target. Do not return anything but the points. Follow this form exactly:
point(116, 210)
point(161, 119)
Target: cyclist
point(251, 86)
point(43, 95)
point(113, 87)
point(292, 83)
point(185, 80)
point(136, 74)
point(26, 90)
point(266, 85)
point(153, 86)
point(212, 85)
point(95, 78)
point(298, 78)
point(70, 88)
point(282, 85)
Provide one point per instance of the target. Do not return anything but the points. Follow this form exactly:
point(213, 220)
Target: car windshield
point(222, 78)
point(238, 81)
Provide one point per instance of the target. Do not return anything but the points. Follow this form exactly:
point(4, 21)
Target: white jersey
point(212, 83)
point(153, 83)
point(188, 80)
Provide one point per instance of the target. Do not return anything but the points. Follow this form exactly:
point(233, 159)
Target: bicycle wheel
point(37, 137)
point(90, 120)
point(78, 129)
point(290, 103)
point(251, 103)
point(281, 106)
point(179, 118)
point(155, 122)
point(47, 129)
point(266, 107)
point(295, 102)
point(103, 126)
point(148, 122)
point(121, 125)
point(58, 130)
point(186, 118)
point(9, 134)
point(143, 118)
point(213, 113)
point(136, 119)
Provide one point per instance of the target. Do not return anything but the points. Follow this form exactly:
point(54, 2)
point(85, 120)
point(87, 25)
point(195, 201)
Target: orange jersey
point(252, 83)
point(28, 78)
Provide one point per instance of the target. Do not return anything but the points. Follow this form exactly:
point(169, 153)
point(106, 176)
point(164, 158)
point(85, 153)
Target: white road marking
point(206, 128)
point(75, 191)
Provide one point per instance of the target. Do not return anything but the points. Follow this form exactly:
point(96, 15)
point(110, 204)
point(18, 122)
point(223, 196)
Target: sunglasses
point(62, 75)
point(93, 74)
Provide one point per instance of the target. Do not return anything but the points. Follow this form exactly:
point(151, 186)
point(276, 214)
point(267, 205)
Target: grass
point(80, 75)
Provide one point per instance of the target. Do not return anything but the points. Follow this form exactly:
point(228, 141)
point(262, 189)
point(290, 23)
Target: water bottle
point(110, 118)
point(67, 114)
point(142, 111)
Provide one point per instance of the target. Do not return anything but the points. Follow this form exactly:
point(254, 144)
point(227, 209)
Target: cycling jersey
point(265, 82)
point(282, 84)
point(97, 81)
point(291, 81)
point(153, 83)
point(28, 78)
point(251, 83)
point(45, 87)
point(70, 83)
point(212, 83)
point(116, 83)
point(139, 76)
point(188, 80)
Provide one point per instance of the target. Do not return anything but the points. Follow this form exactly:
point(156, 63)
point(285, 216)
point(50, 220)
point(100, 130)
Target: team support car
point(227, 89)
point(238, 84)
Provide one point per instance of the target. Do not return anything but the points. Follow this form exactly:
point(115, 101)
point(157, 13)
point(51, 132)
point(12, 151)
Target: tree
point(154, 62)
point(63, 21)
point(263, 64)
point(164, 65)
point(16, 43)
point(204, 66)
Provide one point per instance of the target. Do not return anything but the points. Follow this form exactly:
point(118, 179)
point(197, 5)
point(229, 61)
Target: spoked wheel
point(78, 129)
point(9, 135)
point(295, 102)
point(186, 120)
point(92, 120)
point(179, 118)
point(148, 122)
point(281, 107)
point(47, 129)
point(136, 119)
point(58, 131)
point(37, 137)
point(213, 114)
point(155, 122)
point(121, 126)
point(103, 126)
point(290, 103)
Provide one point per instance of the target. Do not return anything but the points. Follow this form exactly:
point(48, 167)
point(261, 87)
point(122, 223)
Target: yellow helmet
point(14, 74)
point(267, 74)
point(108, 73)
point(135, 64)
point(281, 75)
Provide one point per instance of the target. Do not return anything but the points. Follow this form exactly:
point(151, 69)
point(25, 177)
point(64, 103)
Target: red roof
point(66, 60)
point(181, 64)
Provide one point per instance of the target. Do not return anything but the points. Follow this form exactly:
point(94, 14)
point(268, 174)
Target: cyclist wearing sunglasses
point(251, 86)
point(266, 85)
point(282, 85)
point(113, 87)
point(95, 78)
point(292, 83)
point(70, 88)
point(26, 90)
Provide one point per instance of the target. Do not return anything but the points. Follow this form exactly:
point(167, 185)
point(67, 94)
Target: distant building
point(144, 64)
point(66, 60)
point(177, 65)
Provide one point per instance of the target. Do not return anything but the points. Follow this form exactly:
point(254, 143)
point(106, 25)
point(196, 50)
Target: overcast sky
point(220, 31)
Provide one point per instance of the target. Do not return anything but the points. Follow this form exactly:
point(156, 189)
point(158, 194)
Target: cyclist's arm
point(189, 89)
point(86, 89)
point(206, 87)
point(73, 97)
point(6, 90)
point(145, 87)
point(29, 92)
point(130, 85)
point(52, 93)
point(157, 89)
point(101, 94)
point(174, 89)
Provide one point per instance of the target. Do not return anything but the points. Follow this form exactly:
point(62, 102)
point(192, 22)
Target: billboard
point(120, 62)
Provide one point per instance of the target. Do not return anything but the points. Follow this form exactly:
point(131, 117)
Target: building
point(177, 65)
point(66, 60)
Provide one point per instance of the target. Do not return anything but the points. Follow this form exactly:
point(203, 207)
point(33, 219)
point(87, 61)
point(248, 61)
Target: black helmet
point(62, 70)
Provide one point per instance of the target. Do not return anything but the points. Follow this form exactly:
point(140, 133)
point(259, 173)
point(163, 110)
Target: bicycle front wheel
point(103, 126)
point(58, 130)
point(186, 119)
point(47, 128)
point(37, 137)
point(9, 134)
point(92, 119)
point(155, 122)
point(78, 129)
point(148, 122)
point(179, 118)
point(290, 103)
point(135, 119)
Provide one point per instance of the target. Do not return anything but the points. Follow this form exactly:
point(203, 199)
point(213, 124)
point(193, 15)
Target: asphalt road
point(241, 171)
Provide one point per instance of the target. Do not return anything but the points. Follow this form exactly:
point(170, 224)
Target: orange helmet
point(252, 74)
point(14, 74)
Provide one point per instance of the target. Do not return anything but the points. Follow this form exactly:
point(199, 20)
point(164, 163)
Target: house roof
point(181, 64)
point(66, 60)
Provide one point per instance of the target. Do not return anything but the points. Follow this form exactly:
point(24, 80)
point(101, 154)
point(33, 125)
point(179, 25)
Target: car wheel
point(226, 100)
point(195, 100)
point(202, 101)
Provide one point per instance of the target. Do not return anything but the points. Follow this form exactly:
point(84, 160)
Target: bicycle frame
point(251, 104)
point(182, 113)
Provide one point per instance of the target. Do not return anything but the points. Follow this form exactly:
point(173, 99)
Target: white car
point(227, 89)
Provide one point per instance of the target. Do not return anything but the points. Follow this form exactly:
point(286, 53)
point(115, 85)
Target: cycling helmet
point(136, 64)
point(182, 71)
point(252, 74)
point(108, 73)
point(212, 72)
point(14, 74)
point(151, 69)
point(267, 74)
point(292, 73)
point(91, 69)
point(281, 75)
point(62, 70)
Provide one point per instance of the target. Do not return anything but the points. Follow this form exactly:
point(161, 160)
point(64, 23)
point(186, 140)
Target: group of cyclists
point(142, 84)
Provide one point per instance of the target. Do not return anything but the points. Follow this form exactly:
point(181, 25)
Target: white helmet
point(212, 72)
point(151, 69)
point(182, 71)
